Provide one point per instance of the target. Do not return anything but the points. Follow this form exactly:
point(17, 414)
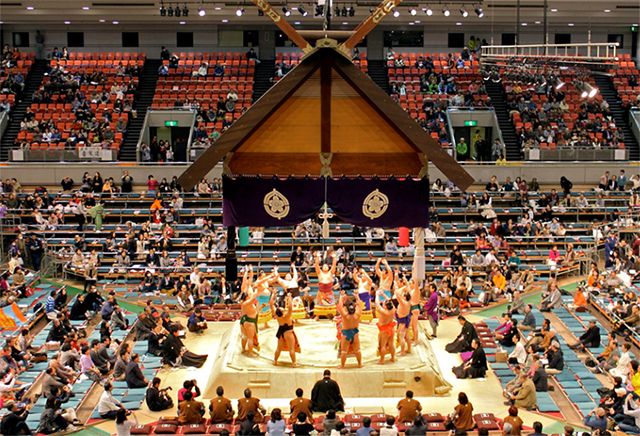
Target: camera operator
point(157, 399)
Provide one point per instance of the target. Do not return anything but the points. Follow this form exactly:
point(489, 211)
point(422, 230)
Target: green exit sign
point(471, 123)
point(171, 123)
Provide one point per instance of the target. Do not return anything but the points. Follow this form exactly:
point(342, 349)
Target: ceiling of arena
point(593, 13)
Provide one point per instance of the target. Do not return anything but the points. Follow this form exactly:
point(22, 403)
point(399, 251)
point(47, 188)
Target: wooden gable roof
point(326, 117)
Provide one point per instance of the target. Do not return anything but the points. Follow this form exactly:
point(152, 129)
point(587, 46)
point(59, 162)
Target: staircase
point(33, 82)
point(263, 78)
point(378, 73)
point(499, 101)
point(146, 91)
point(619, 114)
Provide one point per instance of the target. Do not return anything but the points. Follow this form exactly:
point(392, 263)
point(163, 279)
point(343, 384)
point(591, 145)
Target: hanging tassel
point(325, 223)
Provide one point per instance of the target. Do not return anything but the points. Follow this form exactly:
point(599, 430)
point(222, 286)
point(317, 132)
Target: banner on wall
point(280, 202)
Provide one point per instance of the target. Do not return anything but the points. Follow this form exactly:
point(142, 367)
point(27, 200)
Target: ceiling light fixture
point(446, 12)
point(202, 12)
point(413, 11)
point(30, 8)
point(170, 11)
point(116, 22)
point(67, 22)
point(286, 11)
point(260, 13)
point(607, 10)
point(185, 11)
point(177, 12)
point(239, 11)
point(344, 11)
point(302, 11)
point(429, 11)
point(479, 12)
point(352, 11)
point(163, 11)
point(554, 10)
point(464, 12)
point(396, 13)
point(319, 10)
point(86, 8)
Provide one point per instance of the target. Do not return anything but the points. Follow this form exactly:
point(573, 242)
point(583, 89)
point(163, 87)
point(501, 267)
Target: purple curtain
point(380, 202)
point(258, 202)
point(273, 202)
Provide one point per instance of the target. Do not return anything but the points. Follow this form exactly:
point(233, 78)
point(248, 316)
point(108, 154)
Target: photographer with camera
point(158, 399)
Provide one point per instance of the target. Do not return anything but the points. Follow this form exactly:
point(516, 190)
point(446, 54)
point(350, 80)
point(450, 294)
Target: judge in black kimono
point(174, 353)
point(326, 395)
point(462, 342)
point(476, 366)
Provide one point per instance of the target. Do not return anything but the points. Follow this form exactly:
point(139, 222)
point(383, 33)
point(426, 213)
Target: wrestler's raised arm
point(340, 306)
point(378, 271)
point(272, 302)
point(289, 301)
point(334, 263)
point(317, 264)
point(358, 304)
point(295, 273)
point(379, 307)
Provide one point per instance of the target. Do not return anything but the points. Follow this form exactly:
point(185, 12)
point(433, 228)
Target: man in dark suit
point(462, 342)
point(135, 378)
point(98, 360)
point(589, 339)
point(326, 395)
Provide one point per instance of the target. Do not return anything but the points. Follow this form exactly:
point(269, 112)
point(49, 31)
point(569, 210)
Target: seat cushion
point(217, 428)
point(166, 429)
point(194, 429)
point(141, 429)
point(480, 416)
point(433, 417)
point(379, 417)
point(489, 424)
point(436, 426)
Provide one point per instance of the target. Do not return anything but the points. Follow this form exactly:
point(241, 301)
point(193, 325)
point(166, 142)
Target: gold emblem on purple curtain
point(276, 204)
point(375, 205)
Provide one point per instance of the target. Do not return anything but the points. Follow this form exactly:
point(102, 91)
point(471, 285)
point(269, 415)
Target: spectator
point(14, 421)
point(157, 399)
point(123, 425)
point(390, 429)
point(302, 426)
point(190, 411)
point(301, 404)
point(514, 420)
point(250, 404)
point(220, 408)
point(135, 378)
point(276, 425)
point(108, 406)
point(326, 394)
point(408, 408)
point(463, 414)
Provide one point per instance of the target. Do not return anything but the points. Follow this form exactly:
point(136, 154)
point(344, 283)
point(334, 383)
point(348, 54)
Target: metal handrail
point(559, 51)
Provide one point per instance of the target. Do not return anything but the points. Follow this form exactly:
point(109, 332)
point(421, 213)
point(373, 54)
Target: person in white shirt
point(622, 369)
point(108, 406)
point(390, 429)
point(490, 258)
point(123, 425)
point(519, 354)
